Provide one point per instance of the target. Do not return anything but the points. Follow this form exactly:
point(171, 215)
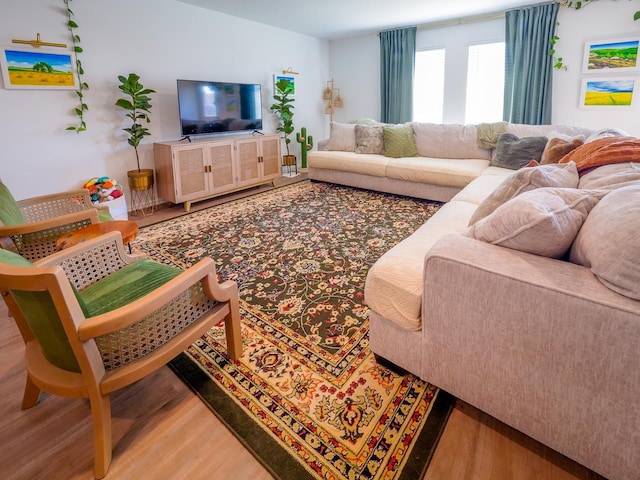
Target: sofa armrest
point(538, 343)
point(322, 144)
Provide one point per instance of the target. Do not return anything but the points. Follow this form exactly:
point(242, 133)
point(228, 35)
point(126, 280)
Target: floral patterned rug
point(307, 398)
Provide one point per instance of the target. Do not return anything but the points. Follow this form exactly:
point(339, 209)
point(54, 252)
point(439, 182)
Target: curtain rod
point(461, 21)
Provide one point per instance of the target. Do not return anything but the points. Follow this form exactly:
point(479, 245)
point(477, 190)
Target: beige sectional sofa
point(547, 345)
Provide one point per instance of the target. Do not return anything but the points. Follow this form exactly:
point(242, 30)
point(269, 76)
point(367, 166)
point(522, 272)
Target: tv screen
point(218, 107)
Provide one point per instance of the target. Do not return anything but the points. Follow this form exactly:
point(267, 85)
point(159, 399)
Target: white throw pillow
point(543, 221)
point(609, 241)
point(563, 175)
point(342, 138)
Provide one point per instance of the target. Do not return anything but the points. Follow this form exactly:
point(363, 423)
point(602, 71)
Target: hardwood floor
point(161, 430)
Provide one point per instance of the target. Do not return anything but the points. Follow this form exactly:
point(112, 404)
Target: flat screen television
point(208, 108)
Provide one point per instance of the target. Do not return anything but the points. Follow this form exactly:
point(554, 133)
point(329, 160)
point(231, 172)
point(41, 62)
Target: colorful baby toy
point(103, 189)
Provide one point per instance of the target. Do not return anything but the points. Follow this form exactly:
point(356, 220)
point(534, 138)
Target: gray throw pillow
point(514, 153)
point(369, 139)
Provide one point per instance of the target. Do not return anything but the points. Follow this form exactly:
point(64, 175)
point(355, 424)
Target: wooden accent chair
point(95, 319)
point(32, 226)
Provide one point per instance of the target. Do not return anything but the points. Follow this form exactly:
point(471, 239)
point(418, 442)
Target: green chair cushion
point(10, 213)
point(104, 215)
point(40, 313)
point(126, 285)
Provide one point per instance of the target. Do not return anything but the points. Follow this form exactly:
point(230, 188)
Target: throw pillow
point(557, 148)
point(525, 179)
point(606, 133)
point(604, 151)
point(609, 242)
point(398, 141)
point(543, 221)
point(369, 139)
point(342, 137)
point(514, 153)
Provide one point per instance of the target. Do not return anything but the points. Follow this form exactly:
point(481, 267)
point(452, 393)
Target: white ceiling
point(331, 19)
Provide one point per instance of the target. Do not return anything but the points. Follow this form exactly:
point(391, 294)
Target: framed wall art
point(35, 69)
point(609, 93)
point(289, 78)
point(611, 56)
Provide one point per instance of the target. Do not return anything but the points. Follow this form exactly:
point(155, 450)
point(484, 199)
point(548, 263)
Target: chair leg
point(31, 394)
point(233, 330)
point(101, 413)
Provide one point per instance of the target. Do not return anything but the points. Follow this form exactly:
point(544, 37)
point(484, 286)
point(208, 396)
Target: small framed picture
point(611, 56)
point(609, 93)
point(37, 69)
point(289, 78)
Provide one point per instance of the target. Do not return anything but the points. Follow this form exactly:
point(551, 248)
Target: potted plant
point(283, 108)
point(137, 104)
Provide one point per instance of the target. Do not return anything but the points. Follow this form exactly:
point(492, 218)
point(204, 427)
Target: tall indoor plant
point(138, 106)
point(283, 108)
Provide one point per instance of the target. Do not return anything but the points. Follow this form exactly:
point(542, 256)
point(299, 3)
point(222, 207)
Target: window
point(485, 83)
point(428, 86)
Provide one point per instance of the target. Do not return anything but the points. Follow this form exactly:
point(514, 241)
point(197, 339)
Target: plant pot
point(140, 180)
point(288, 160)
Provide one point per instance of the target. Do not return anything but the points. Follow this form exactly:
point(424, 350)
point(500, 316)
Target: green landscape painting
point(26, 69)
point(613, 55)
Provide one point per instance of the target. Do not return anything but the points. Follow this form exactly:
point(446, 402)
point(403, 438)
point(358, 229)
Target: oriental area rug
point(307, 398)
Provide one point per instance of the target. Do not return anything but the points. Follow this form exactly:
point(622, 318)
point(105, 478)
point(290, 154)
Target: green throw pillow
point(398, 142)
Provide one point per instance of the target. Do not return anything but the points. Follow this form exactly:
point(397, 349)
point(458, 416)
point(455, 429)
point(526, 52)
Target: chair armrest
point(79, 261)
point(90, 216)
point(204, 271)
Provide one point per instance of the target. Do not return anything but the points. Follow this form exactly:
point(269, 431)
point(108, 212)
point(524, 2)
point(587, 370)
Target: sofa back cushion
point(525, 179)
point(609, 241)
point(448, 141)
point(543, 221)
point(342, 138)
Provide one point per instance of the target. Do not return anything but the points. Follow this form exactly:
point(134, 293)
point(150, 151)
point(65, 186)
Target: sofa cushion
point(436, 171)
point(609, 242)
point(610, 177)
point(369, 139)
point(543, 221)
point(514, 152)
point(395, 283)
point(363, 163)
point(606, 133)
point(342, 137)
point(604, 151)
point(525, 179)
point(398, 141)
point(448, 141)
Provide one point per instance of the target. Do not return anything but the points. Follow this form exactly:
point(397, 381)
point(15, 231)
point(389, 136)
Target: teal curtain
point(397, 64)
point(528, 65)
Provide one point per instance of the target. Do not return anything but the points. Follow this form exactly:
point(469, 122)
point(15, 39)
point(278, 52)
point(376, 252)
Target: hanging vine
point(82, 85)
point(576, 5)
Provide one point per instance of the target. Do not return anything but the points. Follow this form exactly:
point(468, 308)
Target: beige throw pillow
point(369, 139)
point(609, 241)
point(342, 137)
point(563, 175)
point(543, 221)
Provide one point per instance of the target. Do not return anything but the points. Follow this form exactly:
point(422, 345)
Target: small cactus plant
point(306, 144)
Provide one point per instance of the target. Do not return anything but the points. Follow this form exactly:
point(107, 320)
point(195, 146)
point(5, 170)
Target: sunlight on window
point(485, 83)
point(428, 86)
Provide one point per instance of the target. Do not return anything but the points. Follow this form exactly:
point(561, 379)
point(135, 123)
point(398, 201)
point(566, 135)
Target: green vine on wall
point(82, 85)
point(577, 5)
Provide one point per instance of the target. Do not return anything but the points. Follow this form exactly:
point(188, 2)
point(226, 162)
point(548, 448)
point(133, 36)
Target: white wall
point(354, 63)
point(161, 40)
